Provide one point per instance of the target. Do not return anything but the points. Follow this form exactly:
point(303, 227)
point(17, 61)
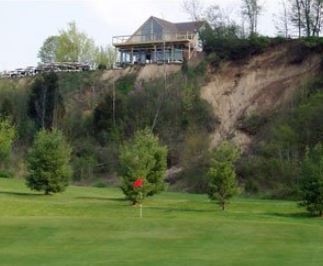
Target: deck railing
point(165, 37)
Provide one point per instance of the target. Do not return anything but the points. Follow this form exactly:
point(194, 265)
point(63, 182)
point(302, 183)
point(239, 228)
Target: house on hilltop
point(158, 41)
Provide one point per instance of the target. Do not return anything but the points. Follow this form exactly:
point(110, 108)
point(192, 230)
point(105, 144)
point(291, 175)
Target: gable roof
point(168, 26)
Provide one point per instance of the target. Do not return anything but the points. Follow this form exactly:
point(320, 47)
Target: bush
point(6, 174)
point(100, 184)
point(126, 83)
point(311, 184)
point(252, 124)
point(7, 134)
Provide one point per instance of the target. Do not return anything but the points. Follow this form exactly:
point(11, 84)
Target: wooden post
point(189, 50)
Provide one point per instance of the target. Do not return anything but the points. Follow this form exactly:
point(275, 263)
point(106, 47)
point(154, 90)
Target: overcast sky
point(25, 24)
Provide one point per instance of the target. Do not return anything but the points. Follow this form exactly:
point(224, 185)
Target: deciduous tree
point(48, 51)
point(45, 105)
point(251, 9)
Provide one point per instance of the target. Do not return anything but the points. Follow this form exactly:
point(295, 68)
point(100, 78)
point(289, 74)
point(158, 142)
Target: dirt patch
point(146, 73)
point(153, 71)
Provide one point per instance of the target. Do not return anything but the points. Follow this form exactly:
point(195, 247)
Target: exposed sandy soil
point(146, 73)
point(259, 86)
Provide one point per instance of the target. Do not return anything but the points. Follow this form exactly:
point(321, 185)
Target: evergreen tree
point(144, 158)
point(311, 184)
point(48, 162)
point(223, 184)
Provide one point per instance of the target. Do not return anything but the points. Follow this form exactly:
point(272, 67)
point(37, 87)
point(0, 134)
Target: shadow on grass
point(25, 194)
point(179, 209)
point(102, 198)
point(296, 215)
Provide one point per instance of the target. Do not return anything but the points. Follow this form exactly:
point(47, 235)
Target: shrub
point(7, 134)
point(252, 124)
point(126, 83)
point(311, 184)
point(6, 174)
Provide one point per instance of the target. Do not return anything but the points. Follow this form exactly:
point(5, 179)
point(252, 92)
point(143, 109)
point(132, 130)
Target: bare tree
point(281, 19)
point(216, 16)
point(306, 6)
point(316, 17)
point(296, 15)
point(251, 9)
point(194, 8)
point(306, 15)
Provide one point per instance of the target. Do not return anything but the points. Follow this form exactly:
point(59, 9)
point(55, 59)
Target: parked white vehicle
point(31, 71)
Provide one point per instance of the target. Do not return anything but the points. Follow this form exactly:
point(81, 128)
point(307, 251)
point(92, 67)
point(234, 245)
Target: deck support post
point(131, 57)
point(121, 57)
point(173, 54)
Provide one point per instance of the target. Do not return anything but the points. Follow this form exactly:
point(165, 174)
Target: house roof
point(192, 26)
point(189, 26)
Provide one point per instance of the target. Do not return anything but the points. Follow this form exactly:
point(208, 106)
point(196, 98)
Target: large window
point(151, 31)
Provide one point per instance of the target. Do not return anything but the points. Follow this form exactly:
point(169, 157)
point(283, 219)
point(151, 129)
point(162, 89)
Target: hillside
point(191, 108)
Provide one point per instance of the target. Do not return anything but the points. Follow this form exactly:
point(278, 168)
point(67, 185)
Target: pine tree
point(48, 163)
point(144, 158)
point(223, 184)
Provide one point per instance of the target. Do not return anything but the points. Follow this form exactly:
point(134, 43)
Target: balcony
point(152, 38)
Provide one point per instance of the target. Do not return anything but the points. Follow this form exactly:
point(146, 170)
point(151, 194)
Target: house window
point(151, 31)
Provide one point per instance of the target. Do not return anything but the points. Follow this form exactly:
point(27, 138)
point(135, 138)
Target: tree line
point(295, 17)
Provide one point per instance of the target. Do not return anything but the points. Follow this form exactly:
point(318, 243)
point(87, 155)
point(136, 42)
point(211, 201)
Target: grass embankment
point(92, 226)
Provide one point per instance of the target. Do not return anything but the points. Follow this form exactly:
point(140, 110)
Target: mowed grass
point(92, 226)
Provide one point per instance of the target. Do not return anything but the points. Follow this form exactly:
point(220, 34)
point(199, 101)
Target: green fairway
point(92, 226)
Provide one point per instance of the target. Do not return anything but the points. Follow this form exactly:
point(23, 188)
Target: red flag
point(138, 183)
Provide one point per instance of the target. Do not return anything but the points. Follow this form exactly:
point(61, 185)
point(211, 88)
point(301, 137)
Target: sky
point(25, 24)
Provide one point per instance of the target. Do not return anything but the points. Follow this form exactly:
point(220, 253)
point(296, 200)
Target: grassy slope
point(91, 226)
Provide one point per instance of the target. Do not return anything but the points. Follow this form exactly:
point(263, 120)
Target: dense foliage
point(227, 43)
point(45, 105)
point(311, 183)
point(274, 164)
point(7, 134)
point(48, 162)
point(145, 159)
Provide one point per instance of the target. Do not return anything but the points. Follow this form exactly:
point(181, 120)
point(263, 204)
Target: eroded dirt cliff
point(258, 86)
